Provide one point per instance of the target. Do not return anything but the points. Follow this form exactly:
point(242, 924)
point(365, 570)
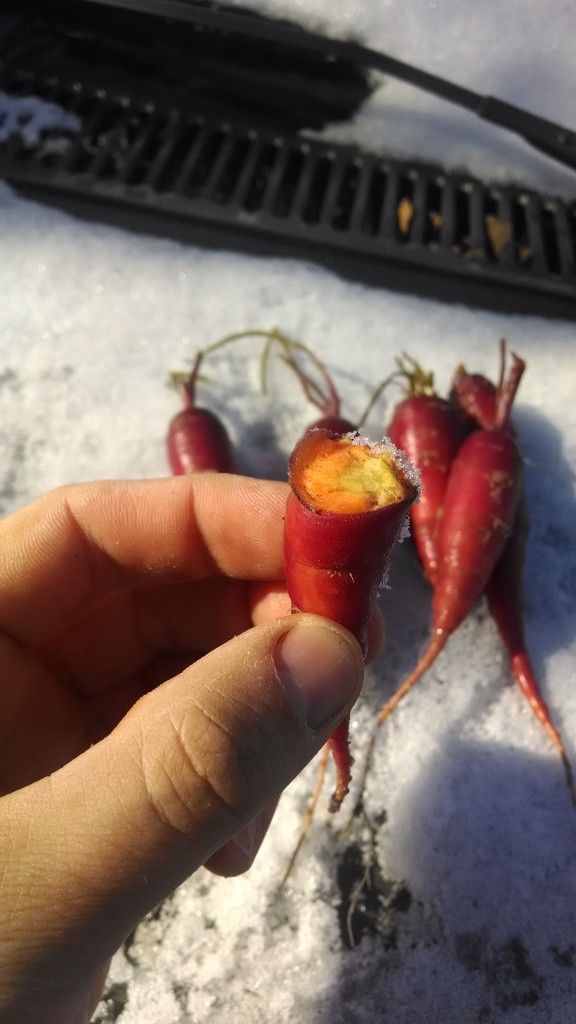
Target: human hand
point(153, 708)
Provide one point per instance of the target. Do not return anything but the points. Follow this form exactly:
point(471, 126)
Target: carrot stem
point(507, 392)
point(417, 382)
point(328, 400)
point(189, 384)
point(375, 396)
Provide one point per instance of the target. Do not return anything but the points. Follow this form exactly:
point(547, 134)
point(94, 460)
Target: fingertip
point(269, 600)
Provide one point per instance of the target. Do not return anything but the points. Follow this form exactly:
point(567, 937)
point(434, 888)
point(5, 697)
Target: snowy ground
point(469, 913)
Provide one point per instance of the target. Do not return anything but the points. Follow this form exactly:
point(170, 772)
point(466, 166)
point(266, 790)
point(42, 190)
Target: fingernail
point(319, 669)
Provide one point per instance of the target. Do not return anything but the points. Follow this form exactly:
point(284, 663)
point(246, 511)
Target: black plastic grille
point(212, 181)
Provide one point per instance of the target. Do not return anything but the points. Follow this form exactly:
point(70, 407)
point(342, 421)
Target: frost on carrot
point(349, 505)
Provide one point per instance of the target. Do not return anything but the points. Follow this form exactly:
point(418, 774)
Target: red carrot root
point(478, 399)
point(481, 500)
point(339, 746)
point(477, 396)
point(480, 504)
point(348, 506)
point(430, 430)
point(504, 598)
point(197, 440)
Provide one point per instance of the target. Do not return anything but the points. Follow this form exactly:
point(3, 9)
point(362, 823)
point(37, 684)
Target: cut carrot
point(349, 503)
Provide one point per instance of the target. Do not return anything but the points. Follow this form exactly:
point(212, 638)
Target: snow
point(471, 834)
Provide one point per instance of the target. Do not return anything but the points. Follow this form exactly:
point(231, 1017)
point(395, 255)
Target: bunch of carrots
point(471, 524)
point(349, 505)
point(451, 465)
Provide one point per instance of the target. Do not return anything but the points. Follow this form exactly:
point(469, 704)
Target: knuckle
point(204, 769)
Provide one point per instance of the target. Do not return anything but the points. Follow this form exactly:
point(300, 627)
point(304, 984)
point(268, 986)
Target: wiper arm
point(552, 139)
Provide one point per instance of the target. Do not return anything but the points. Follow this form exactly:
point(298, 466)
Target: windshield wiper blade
point(552, 139)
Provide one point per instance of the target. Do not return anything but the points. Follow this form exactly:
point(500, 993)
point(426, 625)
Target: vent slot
point(340, 217)
point(433, 207)
point(199, 163)
point(231, 169)
point(170, 168)
point(550, 237)
point(313, 203)
point(261, 178)
point(371, 217)
point(290, 180)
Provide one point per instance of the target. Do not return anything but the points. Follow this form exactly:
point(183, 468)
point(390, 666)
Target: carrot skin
point(504, 597)
point(480, 504)
point(486, 405)
point(504, 591)
point(475, 395)
point(339, 746)
point(198, 442)
point(430, 431)
point(333, 424)
point(479, 509)
point(335, 564)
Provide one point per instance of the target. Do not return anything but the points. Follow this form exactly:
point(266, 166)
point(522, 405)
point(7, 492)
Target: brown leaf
point(405, 213)
point(499, 233)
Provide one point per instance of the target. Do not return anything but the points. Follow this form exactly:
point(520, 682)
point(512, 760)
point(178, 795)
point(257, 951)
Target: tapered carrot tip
point(524, 676)
point(426, 660)
point(343, 761)
point(349, 505)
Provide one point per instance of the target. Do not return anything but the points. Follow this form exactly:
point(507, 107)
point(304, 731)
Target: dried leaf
point(499, 233)
point(525, 254)
point(405, 213)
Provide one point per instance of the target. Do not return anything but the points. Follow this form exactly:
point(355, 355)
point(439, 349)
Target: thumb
point(108, 836)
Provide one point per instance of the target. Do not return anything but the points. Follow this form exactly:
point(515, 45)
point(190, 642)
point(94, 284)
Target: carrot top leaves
point(506, 392)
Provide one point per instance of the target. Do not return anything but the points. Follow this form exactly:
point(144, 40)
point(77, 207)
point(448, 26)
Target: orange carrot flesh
point(347, 509)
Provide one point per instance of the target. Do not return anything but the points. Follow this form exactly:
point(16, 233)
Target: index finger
point(77, 543)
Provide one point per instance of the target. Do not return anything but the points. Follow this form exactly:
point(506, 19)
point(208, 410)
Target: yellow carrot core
point(338, 475)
